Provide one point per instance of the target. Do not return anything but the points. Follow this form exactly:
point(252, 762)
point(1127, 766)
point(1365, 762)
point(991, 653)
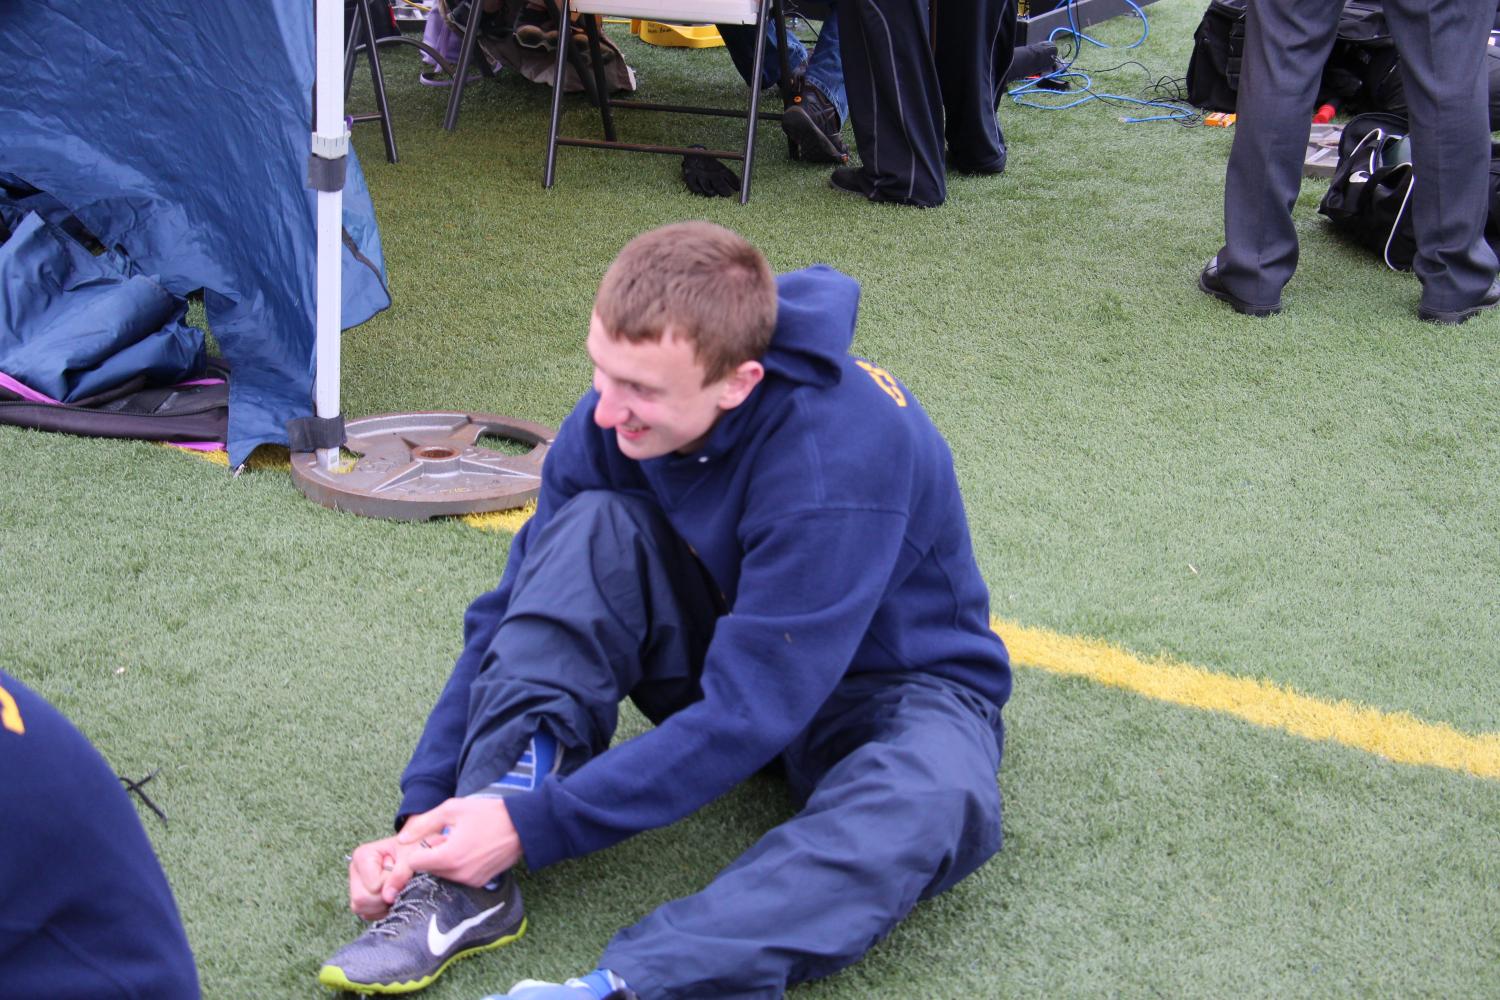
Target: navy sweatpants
point(895, 775)
point(918, 72)
point(1442, 45)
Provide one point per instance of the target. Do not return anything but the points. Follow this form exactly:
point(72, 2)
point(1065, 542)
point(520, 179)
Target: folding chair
point(754, 12)
point(364, 38)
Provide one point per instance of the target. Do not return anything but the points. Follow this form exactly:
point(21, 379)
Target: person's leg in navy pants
point(912, 91)
point(901, 802)
point(1286, 45)
point(896, 773)
point(975, 44)
point(1442, 49)
point(610, 604)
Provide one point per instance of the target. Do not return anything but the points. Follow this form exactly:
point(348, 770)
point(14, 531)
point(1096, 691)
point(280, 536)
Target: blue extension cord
point(1085, 83)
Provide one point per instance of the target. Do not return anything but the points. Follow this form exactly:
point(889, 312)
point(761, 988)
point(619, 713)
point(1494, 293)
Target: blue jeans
point(824, 68)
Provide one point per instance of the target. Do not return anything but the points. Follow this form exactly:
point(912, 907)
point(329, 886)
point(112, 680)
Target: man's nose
point(608, 413)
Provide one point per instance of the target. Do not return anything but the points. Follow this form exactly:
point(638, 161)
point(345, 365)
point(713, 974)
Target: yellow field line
point(1395, 735)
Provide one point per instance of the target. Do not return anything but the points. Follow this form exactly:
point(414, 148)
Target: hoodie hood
point(815, 312)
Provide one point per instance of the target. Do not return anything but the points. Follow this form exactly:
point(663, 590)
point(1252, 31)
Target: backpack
point(1213, 74)
point(1363, 71)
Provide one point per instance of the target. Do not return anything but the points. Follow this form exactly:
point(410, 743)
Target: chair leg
point(377, 80)
point(760, 59)
point(351, 53)
point(784, 84)
point(466, 56)
point(596, 56)
point(585, 78)
point(563, 44)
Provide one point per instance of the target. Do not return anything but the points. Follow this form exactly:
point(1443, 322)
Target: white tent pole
point(330, 140)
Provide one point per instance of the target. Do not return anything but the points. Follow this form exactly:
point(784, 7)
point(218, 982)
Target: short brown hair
point(705, 283)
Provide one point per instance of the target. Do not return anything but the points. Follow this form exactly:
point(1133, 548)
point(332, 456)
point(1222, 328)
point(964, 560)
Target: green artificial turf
point(1307, 499)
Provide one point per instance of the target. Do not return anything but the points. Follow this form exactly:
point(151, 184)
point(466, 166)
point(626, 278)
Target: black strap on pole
point(315, 433)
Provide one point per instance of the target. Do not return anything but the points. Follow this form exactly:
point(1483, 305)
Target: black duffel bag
point(1369, 196)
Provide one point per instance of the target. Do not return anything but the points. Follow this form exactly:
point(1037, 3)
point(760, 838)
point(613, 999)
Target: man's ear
point(739, 383)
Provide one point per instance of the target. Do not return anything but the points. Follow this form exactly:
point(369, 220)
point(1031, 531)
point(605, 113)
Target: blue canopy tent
point(177, 132)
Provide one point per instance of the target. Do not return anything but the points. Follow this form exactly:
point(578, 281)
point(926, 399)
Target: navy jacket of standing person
point(87, 913)
point(847, 634)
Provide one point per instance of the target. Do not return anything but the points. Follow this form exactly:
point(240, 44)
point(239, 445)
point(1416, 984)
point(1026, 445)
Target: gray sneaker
point(433, 923)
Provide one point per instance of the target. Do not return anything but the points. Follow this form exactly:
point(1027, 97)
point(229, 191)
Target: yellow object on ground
point(680, 36)
point(1397, 736)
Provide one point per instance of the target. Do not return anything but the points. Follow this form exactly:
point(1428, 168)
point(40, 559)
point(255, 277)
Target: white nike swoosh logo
point(439, 942)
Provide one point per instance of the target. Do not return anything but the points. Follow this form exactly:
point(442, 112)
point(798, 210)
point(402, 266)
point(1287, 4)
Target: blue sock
point(600, 982)
point(540, 758)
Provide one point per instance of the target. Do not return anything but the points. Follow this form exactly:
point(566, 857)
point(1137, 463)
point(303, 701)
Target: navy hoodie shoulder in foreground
point(827, 511)
point(88, 912)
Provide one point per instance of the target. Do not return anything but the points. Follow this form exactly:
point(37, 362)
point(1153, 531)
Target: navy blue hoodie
point(826, 508)
point(87, 912)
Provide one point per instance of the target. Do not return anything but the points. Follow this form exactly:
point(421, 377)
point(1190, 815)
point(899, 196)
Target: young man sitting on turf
point(759, 540)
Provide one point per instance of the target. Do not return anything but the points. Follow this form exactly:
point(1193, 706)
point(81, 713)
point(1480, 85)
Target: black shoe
point(813, 129)
point(1456, 316)
point(1211, 284)
point(963, 166)
point(851, 180)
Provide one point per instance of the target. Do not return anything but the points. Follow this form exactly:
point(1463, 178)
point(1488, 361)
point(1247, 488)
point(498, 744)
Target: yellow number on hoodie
point(10, 713)
point(885, 380)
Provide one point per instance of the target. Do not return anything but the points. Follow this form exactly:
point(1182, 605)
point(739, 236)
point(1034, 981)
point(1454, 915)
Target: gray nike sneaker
point(433, 923)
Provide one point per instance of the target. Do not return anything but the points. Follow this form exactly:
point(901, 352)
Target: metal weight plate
point(415, 466)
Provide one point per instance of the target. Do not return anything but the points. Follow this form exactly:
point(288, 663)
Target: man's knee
point(941, 794)
point(935, 787)
point(970, 814)
point(598, 529)
point(606, 505)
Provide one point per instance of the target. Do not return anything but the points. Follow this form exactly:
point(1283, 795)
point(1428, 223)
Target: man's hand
point(370, 869)
point(469, 841)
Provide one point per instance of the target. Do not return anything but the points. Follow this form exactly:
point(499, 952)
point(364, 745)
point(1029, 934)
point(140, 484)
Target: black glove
point(707, 176)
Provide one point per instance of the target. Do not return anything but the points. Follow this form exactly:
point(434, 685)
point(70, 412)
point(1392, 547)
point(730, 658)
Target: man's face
point(652, 394)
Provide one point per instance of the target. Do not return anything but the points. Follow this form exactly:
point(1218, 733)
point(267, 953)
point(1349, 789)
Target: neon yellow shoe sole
point(333, 977)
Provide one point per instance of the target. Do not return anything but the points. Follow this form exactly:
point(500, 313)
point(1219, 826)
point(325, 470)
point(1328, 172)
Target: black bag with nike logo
point(1369, 196)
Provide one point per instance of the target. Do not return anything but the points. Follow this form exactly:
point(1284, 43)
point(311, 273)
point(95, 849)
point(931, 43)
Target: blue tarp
point(177, 132)
point(73, 325)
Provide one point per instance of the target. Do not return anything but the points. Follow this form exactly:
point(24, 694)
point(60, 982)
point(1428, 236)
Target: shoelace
point(410, 902)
